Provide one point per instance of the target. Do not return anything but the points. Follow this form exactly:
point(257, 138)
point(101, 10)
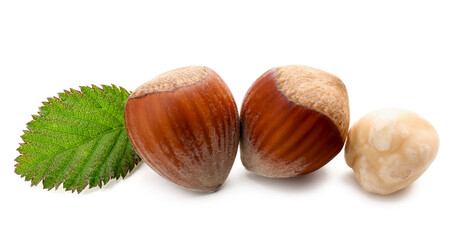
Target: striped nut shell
point(184, 124)
point(294, 120)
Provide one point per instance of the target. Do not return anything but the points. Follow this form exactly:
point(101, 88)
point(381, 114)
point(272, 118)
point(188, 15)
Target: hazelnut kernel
point(389, 149)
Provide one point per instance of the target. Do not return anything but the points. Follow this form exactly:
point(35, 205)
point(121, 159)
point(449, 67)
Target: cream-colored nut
point(389, 149)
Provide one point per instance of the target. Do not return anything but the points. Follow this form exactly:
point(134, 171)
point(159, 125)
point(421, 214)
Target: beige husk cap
point(171, 80)
point(317, 90)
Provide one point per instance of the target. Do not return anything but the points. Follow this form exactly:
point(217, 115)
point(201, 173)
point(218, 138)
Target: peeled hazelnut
point(184, 124)
point(294, 120)
point(389, 149)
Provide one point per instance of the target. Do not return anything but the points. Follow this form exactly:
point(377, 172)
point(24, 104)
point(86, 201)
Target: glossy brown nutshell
point(294, 120)
point(184, 124)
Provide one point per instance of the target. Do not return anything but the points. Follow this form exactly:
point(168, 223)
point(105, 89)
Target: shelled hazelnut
point(389, 149)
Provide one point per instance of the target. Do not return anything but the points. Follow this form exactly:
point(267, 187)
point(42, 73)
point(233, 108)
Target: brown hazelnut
point(184, 124)
point(294, 120)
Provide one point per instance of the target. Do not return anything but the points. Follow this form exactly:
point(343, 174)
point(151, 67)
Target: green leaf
point(78, 139)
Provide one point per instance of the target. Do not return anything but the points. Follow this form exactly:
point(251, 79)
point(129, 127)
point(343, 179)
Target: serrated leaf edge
point(103, 181)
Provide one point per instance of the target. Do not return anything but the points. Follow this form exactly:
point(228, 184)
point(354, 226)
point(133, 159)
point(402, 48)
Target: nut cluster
point(294, 119)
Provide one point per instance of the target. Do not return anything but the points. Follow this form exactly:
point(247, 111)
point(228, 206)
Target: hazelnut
point(184, 124)
point(294, 120)
point(389, 149)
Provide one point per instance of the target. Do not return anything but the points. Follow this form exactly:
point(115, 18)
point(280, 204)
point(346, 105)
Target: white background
point(388, 53)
